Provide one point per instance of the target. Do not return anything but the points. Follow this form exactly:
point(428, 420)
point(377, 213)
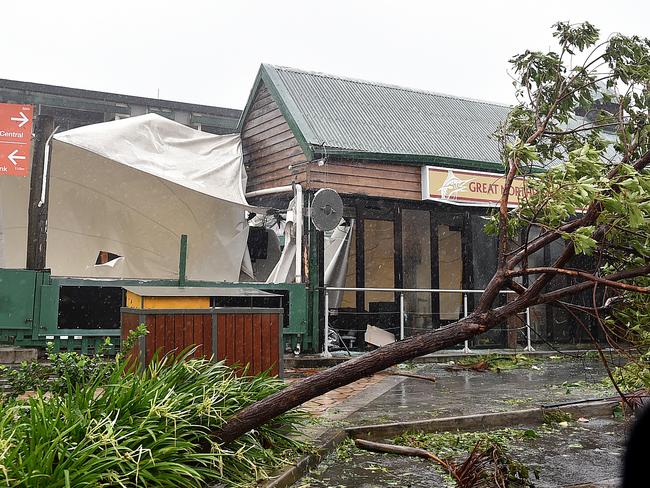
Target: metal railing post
point(401, 316)
point(326, 352)
point(529, 346)
point(466, 349)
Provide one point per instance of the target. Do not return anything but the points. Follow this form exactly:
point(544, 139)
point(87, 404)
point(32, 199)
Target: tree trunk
point(304, 390)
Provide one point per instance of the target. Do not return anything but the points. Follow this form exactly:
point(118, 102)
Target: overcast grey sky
point(209, 51)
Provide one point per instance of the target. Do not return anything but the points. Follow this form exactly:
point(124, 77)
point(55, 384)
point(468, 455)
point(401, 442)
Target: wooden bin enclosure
point(177, 318)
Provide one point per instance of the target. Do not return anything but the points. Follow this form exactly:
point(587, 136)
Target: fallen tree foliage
point(579, 138)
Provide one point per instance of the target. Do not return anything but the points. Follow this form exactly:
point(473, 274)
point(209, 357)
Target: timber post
point(39, 193)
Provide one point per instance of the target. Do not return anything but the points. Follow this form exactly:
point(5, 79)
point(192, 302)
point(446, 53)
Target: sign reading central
point(463, 187)
point(15, 139)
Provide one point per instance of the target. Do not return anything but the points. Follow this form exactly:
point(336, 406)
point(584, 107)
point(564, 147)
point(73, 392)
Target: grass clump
point(557, 417)
point(150, 428)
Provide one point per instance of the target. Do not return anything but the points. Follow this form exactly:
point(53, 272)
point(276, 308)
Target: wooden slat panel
point(261, 143)
point(150, 338)
point(281, 130)
point(248, 343)
point(261, 176)
point(170, 342)
point(188, 333)
point(257, 344)
point(239, 340)
point(266, 342)
point(403, 173)
point(279, 181)
point(273, 152)
point(230, 339)
point(272, 127)
point(263, 98)
point(130, 322)
point(207, 336)
point(270, 107)
point(160, 335)
point(274, 321)
point(197, 323)
point(179, 337)
point(364, 181)
point(252, 124)
point(222, 331)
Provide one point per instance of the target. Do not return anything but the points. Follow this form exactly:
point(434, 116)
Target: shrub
point(142, 428)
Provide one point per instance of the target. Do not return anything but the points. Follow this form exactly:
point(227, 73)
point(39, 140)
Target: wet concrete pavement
point(579, 453)
point(469, 392)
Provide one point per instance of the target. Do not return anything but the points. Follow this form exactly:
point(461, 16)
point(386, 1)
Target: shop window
point(416, 269)
point(379, 258)
point(450, 269)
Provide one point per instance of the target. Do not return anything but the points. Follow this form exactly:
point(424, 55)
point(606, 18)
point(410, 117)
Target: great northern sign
point(462, 187)
point(15, 139)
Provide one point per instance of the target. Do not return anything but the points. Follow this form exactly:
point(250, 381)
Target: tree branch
point(577, 274)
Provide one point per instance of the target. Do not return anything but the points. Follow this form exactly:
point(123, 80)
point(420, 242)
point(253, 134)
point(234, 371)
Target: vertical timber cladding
point(250, 339)
point(169, 333)
point(270, 147)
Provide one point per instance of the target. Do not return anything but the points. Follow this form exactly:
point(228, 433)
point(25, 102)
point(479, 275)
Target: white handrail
point(410, 290)
point(401, 291)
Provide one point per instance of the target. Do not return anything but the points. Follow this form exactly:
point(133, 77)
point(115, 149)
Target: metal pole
point(401, 316)
point(466, 349)
point(182, 261)
point(529, 346)
point(326, 352)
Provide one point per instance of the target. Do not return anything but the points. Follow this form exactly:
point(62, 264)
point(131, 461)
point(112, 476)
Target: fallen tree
point(579, 138)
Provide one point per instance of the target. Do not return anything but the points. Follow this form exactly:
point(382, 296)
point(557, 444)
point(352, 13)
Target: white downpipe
point(326, 347)
point(298, 219)
point(269, 191)
point(466, 349)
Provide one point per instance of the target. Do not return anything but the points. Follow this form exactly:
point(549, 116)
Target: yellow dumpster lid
point(196, 291)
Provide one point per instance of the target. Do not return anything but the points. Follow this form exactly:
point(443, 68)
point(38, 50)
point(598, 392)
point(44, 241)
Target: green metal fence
point(29, 310)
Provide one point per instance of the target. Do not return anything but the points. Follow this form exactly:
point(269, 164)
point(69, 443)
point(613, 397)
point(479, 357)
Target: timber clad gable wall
point(270, 146)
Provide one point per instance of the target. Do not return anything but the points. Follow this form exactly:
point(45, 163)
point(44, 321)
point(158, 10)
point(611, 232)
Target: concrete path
point(580, 454)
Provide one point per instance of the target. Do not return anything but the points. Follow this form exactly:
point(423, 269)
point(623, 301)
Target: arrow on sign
point(14, 156)
point(23, 119)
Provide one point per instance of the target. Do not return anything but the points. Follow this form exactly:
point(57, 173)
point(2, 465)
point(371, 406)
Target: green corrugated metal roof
point(373, 120)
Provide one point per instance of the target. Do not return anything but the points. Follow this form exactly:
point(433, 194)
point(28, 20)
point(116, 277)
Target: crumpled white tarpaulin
point(131, 188)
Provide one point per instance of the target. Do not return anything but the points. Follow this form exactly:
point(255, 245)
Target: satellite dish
point(326, 209)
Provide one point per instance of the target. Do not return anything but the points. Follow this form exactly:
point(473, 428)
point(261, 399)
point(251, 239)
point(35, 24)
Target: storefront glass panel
point(416, 269)
point(450, 269)
point(379, 257)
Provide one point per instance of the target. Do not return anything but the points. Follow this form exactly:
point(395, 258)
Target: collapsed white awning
point(131, 188)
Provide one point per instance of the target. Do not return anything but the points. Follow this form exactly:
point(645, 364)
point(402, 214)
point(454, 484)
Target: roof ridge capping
point(386, 85)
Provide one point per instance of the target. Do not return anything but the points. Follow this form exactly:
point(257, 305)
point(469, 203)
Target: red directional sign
point(15, 139)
